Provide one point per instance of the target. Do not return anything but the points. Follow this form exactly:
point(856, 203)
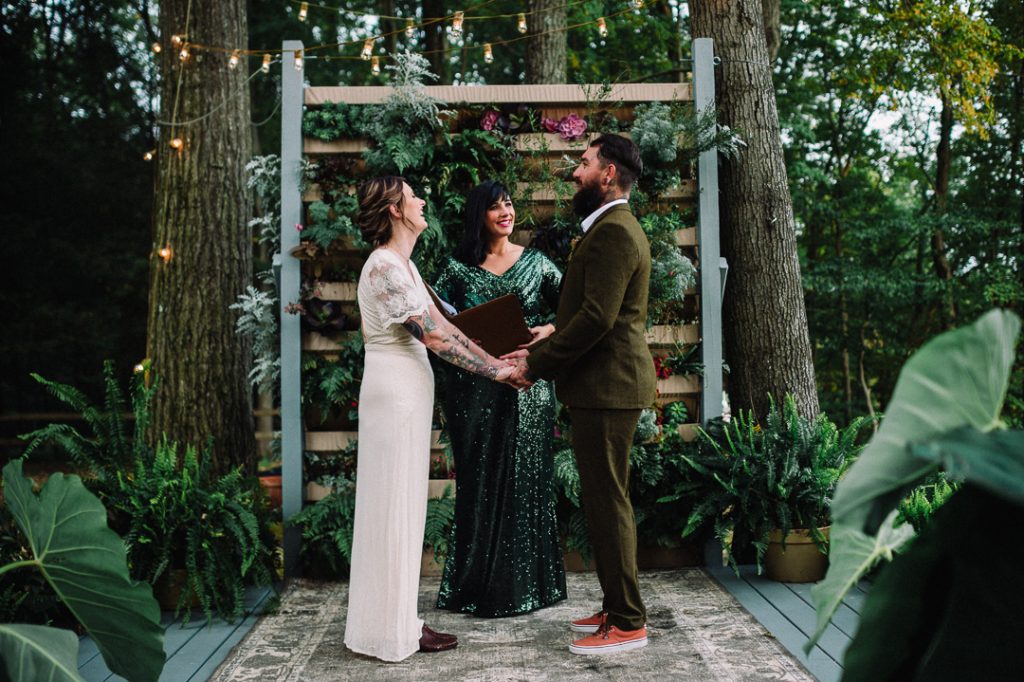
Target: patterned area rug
point(697, 631)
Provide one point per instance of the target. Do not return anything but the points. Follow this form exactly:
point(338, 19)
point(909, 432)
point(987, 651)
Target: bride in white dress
point(396, 399)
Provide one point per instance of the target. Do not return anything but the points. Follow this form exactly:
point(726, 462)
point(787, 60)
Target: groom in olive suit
point(603, 371)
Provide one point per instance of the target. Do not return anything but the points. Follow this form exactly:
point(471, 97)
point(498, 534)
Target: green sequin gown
point(505, 557)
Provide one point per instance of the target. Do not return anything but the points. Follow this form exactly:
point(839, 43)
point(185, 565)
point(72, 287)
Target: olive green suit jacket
point(598, 356)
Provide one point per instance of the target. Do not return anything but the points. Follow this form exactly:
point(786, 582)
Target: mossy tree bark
point(201, 214)
point(764, 319)
point(545, 52)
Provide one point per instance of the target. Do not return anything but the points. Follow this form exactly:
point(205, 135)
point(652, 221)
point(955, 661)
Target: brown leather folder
point(498, 326)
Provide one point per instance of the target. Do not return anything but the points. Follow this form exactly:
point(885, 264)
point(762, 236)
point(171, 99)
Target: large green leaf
point(993, 460)
point(852, 553)
point(957, 379)
point(86, 564)
point(38, 652)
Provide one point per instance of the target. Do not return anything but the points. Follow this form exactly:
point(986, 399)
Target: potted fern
point(768, 487)
point(170, 509)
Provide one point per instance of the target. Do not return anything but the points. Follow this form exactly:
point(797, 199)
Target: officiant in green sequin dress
point(505, 557)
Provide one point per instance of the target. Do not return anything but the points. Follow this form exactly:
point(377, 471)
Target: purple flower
point(550, 125)
point(489, 120)
point(571, 127)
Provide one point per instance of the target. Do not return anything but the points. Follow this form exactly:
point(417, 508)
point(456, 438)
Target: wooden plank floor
point(787, 612)
point(193, 651)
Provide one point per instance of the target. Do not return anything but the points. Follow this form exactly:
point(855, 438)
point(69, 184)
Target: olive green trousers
point(601, 440)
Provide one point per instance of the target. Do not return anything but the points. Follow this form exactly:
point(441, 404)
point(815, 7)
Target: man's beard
point(588, 198)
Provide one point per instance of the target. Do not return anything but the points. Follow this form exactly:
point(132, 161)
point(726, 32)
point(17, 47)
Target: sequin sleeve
point(397, 296)
point(550, 284)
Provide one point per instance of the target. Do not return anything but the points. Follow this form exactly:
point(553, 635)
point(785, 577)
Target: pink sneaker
point(610, 640)
point(589, 624)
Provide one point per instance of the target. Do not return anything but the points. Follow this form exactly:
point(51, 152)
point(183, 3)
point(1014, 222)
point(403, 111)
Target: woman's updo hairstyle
point(376, 196)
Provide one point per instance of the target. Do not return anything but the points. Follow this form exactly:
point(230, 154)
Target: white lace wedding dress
point(395, 407)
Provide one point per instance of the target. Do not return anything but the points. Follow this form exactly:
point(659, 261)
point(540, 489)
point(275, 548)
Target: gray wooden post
point(711, 263)
point(291, 334)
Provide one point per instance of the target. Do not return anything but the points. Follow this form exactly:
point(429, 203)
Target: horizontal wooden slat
point(686, 236)
point(541, 193)
point(312, 145)
point(338, 291)
point(688, 432)
point(669, 335)
point(313, 341)
point(687, 384)
point(626, 93)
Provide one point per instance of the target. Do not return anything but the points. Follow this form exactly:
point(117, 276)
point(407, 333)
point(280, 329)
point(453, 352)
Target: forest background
point(906, 174)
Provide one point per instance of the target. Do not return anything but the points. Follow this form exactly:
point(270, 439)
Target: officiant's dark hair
point(472, 247)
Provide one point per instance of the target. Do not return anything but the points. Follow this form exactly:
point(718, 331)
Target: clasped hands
point(519, 376)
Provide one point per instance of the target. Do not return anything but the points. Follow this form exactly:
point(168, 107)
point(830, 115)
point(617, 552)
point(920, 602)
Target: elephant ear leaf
point(38, 652)
point(86, 565)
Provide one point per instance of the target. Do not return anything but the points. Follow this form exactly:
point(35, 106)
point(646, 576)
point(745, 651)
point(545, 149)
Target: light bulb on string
point(410, 28)
point(234, 59)
point(176, 39)
point(602, 27)
point(148, 156)
point(184, 54)
point(266, 64)
point(375, 65)
point(521, 23)
point(166, 253)
point(298, 59)
point(488, 54)
point(177, 143)
point(367, 50)
point(303, 11)
point(637, 4)
point(157, 47)
point(457, 25)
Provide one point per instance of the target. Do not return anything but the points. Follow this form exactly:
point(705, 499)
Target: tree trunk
point(545, 50)
point(202, 207)
point(764, 318)
point(944, 162)
point(771, 13)
point(436, 41)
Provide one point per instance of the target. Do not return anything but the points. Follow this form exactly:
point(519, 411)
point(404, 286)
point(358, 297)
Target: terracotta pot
point(272, 486)
point(800, 562)
point(167, 590)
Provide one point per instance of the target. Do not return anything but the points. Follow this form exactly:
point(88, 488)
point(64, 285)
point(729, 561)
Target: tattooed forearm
point(451, 345)
point(460, 356)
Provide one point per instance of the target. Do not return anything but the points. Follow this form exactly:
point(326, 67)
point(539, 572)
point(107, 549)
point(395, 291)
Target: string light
point(602, 27)
point(184, 54)
point(488, 55)
point(303, 11)
point(166, 253)
point(298, 59)
point(234, 59)
point(139, 368)
point(375, 66)
point(521, 24)
point(157, 47)
point(457, 25)
point(177, 143)
point(148, 156)
point(367, 50)
point(176, 40)
point(637, 4)
point(410, 28)
point(266, 64)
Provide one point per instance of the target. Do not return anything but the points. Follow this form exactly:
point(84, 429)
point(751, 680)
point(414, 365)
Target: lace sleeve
point(397, 297)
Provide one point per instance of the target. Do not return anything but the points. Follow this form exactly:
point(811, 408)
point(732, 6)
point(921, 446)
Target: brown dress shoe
point(431, 642)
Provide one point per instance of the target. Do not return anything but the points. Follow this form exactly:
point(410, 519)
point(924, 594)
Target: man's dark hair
point(621, 152)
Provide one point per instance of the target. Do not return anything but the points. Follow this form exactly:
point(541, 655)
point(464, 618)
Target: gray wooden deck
point(193, 651)
point(786, 611)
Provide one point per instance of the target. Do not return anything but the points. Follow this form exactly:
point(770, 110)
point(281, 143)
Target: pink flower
point(571, 127)
point(298, 227)
point(550, 125)
point(489, 120)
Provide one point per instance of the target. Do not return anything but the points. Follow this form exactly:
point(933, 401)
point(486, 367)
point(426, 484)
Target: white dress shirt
point(589, 221)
